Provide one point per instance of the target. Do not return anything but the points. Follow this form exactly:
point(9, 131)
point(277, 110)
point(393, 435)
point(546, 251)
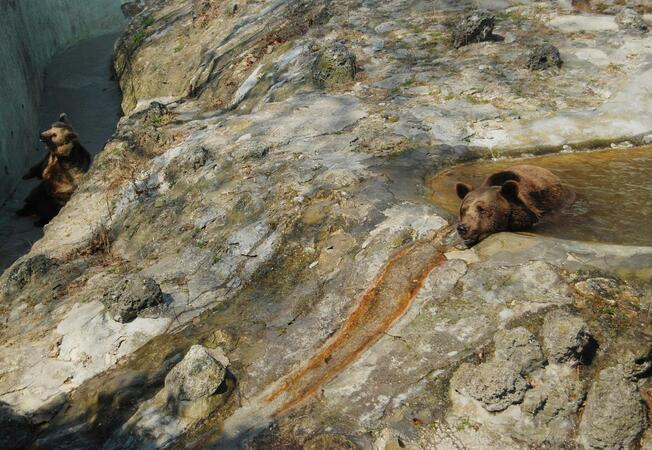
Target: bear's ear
point(462, 190)
point(63, 118)
point(71, 135)
point(509, 190)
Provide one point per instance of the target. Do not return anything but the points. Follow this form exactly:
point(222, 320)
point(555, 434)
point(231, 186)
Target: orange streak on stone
point(354, 325)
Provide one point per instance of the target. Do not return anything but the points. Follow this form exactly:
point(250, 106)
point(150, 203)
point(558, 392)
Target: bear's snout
point(462, 229)
point(45, 136)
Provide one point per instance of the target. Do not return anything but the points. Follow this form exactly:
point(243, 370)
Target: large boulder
point(566, 338)
point(496, 384)
point(519, 346)
point(476, 27)
point(130, 296)
point(614, 415)
point(198, 375)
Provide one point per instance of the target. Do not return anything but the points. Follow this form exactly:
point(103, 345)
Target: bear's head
point(60, 138)
point(485, 210)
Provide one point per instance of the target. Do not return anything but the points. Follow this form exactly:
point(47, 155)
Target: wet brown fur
point(509, 200)
point(61, 172)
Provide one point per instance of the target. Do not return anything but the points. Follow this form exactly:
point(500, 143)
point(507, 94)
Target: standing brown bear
point(510, 200)
point(61, 171)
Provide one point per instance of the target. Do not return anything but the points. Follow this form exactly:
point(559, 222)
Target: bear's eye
point(481, 210)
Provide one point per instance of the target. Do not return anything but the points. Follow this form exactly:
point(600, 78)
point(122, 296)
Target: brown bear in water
point(61, 172)
point(509, 200)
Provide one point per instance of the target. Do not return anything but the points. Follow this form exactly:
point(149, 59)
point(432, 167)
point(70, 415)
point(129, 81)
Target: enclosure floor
point(79, 83)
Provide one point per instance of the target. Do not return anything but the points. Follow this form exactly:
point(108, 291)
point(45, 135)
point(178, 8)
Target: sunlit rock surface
point(288, 226)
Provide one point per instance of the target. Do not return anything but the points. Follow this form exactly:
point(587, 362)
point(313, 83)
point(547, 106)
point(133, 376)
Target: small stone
point(476, 27)
point(55, 346)
point(497, 384)
point(334, 65)
point(329, 442)
point(155, 111)
point(520, 347)
point(198, 375)
point(543, 56)
point(630, 21)
point(131, 9)
point(27, 271)
point(566, 338)
point(614, 415)
point(130, 296)
point(635, 364)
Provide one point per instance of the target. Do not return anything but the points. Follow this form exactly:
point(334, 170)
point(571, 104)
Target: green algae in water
point(613, 187)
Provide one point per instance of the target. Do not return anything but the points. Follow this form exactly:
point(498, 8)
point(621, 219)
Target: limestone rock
point(520, 347)
point(497, 384)
point(631, 21)
point(329, 442)
point(566, 338)
point(335, 64)
point(559, 396)
point(614, 415)
point(635, 364)
point(198, 375)
point(130, 296)
point(543, 56)
point(27, 271)
point(476, 27)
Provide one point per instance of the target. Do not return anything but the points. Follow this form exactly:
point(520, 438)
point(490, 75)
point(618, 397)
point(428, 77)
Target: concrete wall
point(31, 33)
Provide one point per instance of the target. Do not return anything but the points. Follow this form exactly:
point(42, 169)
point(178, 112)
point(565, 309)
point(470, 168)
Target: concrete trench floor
point(78, 82)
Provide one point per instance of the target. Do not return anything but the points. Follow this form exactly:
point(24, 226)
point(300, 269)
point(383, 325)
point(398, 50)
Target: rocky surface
point(614, 415)
point(268, 175)
point(566, 339)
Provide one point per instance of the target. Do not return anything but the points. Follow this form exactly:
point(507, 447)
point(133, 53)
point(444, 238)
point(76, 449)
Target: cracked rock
point(335, 64)
point(631, 21)
point(614, 415)
point(130, 296)
point(476, 27)
point(543, 56)
point(27, 271)
point(198, 375)
point(519, 346)
point(566, 338)
point(497, 384)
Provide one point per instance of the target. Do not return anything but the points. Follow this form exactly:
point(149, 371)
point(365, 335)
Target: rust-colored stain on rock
point(384, 302)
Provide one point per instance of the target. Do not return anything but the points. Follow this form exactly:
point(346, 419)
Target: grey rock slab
point(566, 338)
point(198, 375)
point(497, 384)
point(520, 347)
point(614, 415)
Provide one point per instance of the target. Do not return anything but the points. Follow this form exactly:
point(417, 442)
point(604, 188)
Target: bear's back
point(539, 189)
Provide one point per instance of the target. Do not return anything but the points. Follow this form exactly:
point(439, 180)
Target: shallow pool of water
point(613, 187)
